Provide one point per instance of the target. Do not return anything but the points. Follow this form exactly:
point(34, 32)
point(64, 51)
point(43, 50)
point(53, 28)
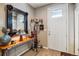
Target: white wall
point(41, 13)
point(2, 16)
point(21, 6)
point(31, 14)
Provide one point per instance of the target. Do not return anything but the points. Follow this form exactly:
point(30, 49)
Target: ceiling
point(36, 5)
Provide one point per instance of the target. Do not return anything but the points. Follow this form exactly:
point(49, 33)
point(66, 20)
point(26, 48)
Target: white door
point(57, 25)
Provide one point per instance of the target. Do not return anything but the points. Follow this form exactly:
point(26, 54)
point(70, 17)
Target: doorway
point(57, 27)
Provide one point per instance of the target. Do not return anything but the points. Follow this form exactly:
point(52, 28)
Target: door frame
point(76, 31)
point(67, 47)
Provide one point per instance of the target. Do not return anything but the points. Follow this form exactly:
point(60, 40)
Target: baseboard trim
point(45, 47)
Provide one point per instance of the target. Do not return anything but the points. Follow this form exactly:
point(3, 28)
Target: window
point(56, 13)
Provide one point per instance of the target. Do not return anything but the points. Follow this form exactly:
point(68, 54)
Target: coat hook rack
point(36, 27)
